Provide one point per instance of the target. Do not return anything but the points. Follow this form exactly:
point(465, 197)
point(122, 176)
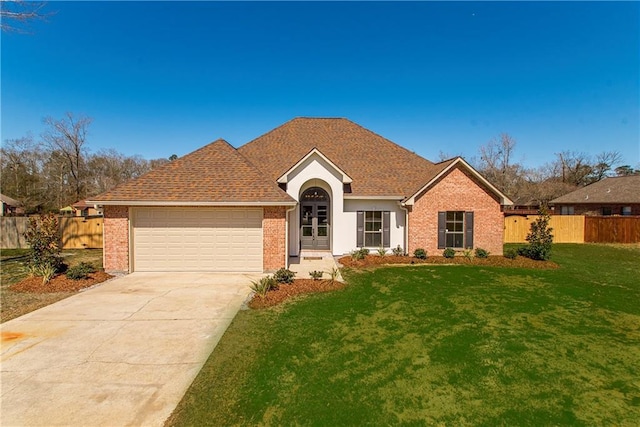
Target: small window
point(626, 210)
point(566, 210)
point(606, 210)
point(373, 229)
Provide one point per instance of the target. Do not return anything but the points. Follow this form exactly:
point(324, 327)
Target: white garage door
point(197, 239)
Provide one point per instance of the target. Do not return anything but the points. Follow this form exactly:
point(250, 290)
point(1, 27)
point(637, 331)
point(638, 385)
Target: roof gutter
point(185, 203)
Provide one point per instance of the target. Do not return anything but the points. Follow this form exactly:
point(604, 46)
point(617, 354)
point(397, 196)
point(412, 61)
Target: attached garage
point(197, 239)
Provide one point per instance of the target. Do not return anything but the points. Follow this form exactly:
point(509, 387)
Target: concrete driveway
point(120, 354)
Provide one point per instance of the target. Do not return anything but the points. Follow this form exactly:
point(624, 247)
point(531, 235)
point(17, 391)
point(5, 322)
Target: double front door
point(314, 225)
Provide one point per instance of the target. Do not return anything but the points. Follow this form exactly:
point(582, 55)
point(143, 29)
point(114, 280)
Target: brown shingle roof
point(622, 189)
point(378, 166)
point(214, 173)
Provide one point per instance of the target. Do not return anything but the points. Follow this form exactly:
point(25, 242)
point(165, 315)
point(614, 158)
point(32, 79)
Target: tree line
point(566, 172)
point(58, 169)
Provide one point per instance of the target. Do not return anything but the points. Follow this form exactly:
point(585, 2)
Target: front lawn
point(438, 345)
point(14, 304)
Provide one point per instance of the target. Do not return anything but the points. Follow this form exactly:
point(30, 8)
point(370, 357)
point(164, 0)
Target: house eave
point(374, 197)
point(185, 203)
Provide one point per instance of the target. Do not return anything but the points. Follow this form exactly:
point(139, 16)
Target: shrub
point(284, 275)
point(449, 253)
point(511, 253)
point(43, 237)
point(397, 251)
point(420, 253)
point(80, 271)
point(481, 253)
point(359, 254)
point(264, 285)
point(540, 238)
point(382, 251)
point(333, 273)
point(315, 274)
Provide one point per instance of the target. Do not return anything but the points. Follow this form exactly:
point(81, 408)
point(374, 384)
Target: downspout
point(406, 226)
point(286, 235)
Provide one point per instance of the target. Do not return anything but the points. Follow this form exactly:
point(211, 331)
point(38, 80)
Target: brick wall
point(116, 239)
point(273, 232)
point(593, 209)
point(456, 191)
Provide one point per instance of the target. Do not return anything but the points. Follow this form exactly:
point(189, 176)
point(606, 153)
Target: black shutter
point(386, 229)
point(468, 229)
point(360, 229)
point(442, 228)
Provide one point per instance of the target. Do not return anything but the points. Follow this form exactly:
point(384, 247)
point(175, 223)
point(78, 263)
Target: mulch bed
point(298, 287)
point(307, 286)
point(59, 283)
point(491, 261)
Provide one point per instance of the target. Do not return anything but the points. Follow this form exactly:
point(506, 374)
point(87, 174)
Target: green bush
point(420, 253)
point(359, 254)
point(264, 285)
point(382, 251)
point(316, 275)
point(449, 253)
point(43, 237)
point(397, 251)
point(481, 253)
point(333, 273)
point(511, 253)
point(284, 275)
point(80, 271)
point(540, 238)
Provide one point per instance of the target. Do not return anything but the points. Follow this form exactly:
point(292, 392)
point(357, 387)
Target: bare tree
point(604, 164)
point(69, 135)
point(15, 15)
point(497, 165)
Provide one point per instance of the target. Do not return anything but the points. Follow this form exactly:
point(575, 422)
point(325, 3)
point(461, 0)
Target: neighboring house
point(309, 185)
point(610, 196)
point(9, 206)
point(80, 209)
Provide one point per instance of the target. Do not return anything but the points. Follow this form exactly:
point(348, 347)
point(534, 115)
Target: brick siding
point(273, 232)
point(593, 209)
point(116, 239)
point(456, 191)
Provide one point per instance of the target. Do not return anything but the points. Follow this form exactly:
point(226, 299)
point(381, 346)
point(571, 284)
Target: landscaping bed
point(298, 287)
point(59, 283)
point(491, 261)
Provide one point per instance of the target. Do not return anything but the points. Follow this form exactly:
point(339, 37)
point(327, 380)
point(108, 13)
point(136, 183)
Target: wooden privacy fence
point(577, 228)
point(615, 229)
point(77, 233)
point(566, 228)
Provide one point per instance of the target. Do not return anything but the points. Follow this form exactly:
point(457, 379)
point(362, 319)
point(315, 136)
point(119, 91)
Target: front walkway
point(123, 353)
point(313, 261)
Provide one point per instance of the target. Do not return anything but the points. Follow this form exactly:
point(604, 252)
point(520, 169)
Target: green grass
point(15, 304)
point(438, 345)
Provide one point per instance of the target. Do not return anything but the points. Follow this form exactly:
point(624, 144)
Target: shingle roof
point(214, 173)
point(9, 201)
point(378, 166)
point(622, 189)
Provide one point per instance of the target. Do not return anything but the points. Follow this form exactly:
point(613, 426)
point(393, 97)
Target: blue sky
point(160, 78)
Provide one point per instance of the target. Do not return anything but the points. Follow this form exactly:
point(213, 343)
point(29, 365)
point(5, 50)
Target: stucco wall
point(116, 239)
point(456, 191)
point(316, 172)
